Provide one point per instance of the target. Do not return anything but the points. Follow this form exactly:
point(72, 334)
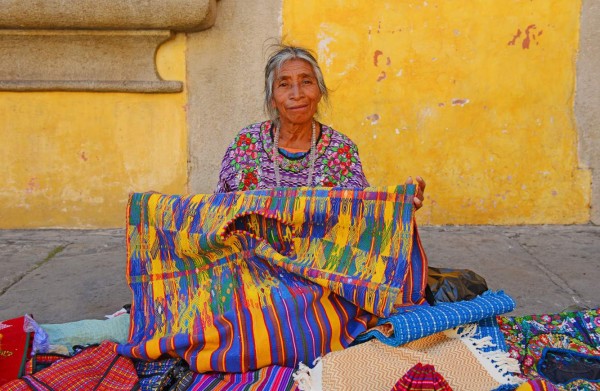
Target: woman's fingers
point(417, 202)
point(421, 183)
point(419, 197)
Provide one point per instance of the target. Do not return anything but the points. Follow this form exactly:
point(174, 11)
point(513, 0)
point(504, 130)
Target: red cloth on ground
point(422, 378)
point(94, 368)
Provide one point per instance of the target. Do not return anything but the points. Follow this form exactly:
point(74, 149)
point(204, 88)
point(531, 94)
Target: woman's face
point(296, 93)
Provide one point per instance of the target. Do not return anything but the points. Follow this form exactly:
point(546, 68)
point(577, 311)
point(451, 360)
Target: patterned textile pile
point(239, 281)
point(469, 357)
point(239, 291)
point(563, 348)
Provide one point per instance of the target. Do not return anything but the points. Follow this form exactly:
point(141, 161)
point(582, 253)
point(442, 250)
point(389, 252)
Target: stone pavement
point(67, 275)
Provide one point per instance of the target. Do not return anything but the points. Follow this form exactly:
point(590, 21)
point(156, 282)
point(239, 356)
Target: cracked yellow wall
point(476, 96)
point(70, 159)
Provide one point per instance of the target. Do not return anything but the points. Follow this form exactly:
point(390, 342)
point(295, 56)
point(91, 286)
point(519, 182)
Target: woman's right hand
point(420, 196)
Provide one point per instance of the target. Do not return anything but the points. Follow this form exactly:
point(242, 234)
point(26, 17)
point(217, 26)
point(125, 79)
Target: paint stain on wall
point(530, 36)
point(382, 75)
point(376, 56)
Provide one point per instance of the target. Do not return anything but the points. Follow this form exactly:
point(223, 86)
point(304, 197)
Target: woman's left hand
point(419, 197)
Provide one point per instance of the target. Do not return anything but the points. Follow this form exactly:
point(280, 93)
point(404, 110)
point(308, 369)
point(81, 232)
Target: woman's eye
point(307, 81)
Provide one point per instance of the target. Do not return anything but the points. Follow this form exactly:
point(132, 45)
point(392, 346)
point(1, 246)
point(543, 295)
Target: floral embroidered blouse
point(248, 162)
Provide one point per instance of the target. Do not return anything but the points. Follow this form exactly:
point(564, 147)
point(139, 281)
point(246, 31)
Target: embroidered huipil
point(248, 162)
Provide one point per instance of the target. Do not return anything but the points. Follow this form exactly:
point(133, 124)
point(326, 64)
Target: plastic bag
point(450, 285)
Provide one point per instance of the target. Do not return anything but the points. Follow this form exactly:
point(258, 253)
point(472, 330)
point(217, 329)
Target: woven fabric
point(488, 328)
point(376, 366)
point(248, 162)
point(233, 282)
point(94, 368)
point(422, 321)
point(161, 374)
point(271, 378)
point(527, 336)
point(41, 361)
point(422, 378)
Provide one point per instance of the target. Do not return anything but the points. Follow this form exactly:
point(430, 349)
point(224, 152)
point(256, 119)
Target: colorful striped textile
point(422, 378)
point(422, 321)
point(93, 368)
point(233, 282)
point(271, 378)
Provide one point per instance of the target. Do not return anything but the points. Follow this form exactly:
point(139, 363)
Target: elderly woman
point(293, 149)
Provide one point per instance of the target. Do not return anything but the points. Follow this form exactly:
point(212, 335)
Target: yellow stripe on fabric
point(298, 215)
point(153, 348)
point(153, 200)
point(212, 342)
point(184, 245)
point(262, 338)
point(334, 321)
point(379, 272)
point(256, 296)
point(388, 216)
point(157, 266)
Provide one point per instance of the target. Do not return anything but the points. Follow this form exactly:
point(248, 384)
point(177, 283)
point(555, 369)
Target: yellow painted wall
point(475, 96)
point(70, 159)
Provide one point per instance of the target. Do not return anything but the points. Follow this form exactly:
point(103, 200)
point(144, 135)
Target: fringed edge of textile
point(309, 379)
point(497, 362)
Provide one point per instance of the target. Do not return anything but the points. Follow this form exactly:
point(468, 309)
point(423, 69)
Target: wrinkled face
point(296, 93)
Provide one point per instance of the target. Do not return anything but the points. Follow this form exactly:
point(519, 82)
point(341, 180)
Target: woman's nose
point(296, 91)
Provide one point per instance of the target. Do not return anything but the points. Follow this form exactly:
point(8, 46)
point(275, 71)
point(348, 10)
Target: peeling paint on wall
point(449, 92)
point(459, 102)
point(374, 118)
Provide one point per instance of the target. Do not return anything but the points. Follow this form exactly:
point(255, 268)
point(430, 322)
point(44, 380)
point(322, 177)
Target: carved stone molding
point(92, 45)
point(176, 15)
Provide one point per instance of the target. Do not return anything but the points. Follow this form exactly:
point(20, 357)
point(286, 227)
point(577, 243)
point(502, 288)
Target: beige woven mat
point(376, 366)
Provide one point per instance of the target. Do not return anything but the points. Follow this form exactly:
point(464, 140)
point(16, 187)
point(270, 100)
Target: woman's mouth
point(297, 108)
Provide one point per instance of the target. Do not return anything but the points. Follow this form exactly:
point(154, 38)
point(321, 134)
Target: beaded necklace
point(277, 158)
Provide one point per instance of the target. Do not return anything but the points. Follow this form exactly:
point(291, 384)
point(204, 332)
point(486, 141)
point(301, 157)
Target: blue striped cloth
point(421, 321)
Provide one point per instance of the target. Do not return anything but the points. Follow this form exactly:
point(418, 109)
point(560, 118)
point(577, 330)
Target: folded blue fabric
point(422, 321)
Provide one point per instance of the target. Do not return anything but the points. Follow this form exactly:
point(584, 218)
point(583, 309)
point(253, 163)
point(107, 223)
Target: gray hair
point(282, 55)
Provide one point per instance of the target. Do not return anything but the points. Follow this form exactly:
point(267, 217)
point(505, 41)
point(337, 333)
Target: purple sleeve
point(227, 173)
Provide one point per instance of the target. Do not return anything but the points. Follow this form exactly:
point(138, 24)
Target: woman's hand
point(419, 197)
